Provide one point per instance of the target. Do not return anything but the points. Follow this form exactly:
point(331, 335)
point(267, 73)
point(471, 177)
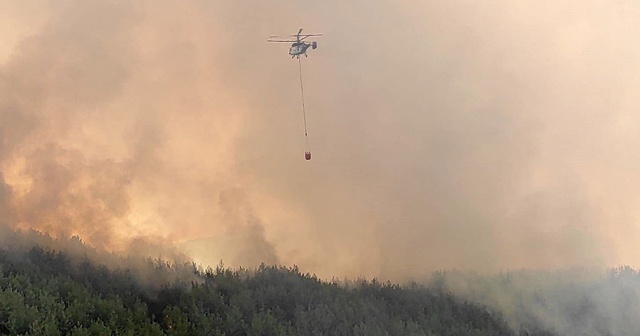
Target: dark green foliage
point(44, 292)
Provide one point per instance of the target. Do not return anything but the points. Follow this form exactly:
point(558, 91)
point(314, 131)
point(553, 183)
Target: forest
point(49, 291)
point(572, 301)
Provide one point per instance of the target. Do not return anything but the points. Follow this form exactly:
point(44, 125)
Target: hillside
point(569, 302)
point(49, 292)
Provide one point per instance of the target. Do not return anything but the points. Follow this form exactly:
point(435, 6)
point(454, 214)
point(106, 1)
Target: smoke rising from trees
point(467, 135)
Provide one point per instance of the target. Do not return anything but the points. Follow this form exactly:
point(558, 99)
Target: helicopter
point(299, 47)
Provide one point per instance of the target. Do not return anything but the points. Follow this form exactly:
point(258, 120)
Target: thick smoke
point(458, 134)
point(84, 131)
point(564, 302)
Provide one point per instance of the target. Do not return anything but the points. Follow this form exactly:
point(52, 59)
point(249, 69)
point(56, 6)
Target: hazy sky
point(445, 134)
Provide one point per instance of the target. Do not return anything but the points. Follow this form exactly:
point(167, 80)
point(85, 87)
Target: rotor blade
point(299, 31)
point(280, 41)
point(301, 35)
point(305, 36)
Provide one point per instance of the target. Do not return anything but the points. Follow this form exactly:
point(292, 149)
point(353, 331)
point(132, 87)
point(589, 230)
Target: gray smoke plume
point(564, 302)
point(459, 134)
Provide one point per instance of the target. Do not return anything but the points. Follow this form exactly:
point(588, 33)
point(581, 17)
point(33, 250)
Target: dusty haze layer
point(458, 134)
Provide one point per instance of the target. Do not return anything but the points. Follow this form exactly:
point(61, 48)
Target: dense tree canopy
point(47, 292)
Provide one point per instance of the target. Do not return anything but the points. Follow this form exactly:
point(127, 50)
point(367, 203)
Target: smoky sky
point(458, 134)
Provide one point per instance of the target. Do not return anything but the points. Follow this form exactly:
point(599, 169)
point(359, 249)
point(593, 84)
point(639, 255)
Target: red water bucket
point(307, 155)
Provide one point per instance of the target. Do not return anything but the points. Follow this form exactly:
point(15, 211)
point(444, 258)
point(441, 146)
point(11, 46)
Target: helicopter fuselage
point(298, 48)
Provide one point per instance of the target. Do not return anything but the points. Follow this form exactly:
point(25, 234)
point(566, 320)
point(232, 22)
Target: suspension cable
point(304, 114)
